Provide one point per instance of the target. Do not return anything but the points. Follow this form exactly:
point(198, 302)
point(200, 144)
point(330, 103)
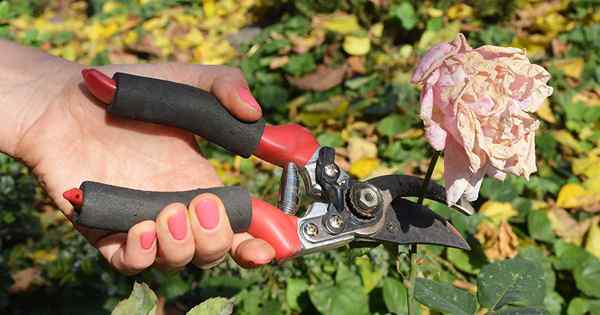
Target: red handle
point(278, 229)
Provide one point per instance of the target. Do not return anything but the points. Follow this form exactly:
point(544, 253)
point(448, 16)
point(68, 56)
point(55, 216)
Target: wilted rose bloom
point(475, 104)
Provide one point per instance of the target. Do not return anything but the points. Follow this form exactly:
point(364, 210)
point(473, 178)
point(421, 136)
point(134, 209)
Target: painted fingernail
point(207, 213)
point(178, 225)
point(147, 239)
point(247, 98)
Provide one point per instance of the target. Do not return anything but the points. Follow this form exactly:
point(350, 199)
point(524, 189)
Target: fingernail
point(247, 98)
point(207, 213)
point(178, 225)
point(147, 239)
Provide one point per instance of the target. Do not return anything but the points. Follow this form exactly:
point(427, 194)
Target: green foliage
point(141, 301)
point(443, 297)
point(515, 282)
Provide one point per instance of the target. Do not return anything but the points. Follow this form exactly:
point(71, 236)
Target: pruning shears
point(344, 210)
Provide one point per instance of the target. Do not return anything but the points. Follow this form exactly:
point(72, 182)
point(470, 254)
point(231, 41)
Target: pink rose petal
point(475, 105)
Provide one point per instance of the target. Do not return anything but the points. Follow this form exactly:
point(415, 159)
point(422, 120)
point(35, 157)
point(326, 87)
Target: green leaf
point(539, 226)
point(519, 311)
point(142, 301)
point(468, 262)
point(569, 256)
point(370, 276)
point(346, 297)
point(392, 125)
point(554, 303)
point(331, 139)
point(517, 282)
point(395, 296)
point(214, 306)
point(506, 190)
point(295, 287)
point(581, 306)
point(443, 297)
point(586, 277)
point(300, 64)
point(405, 13)
point(271, 96)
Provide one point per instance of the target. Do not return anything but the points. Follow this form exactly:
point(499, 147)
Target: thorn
point(74, 196)
point(100, 85)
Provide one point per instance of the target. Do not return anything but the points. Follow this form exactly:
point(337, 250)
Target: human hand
point(72, 139)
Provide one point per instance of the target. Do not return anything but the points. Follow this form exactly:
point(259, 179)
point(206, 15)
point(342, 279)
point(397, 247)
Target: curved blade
point(409, 223)
point(410, 186)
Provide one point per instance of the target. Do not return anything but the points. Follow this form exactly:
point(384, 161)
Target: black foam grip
point(117, 209)
point(186, 107)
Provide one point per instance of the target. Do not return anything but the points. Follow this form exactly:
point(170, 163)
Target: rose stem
point(412, 303)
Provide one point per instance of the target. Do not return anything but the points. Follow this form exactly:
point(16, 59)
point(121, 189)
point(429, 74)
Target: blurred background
point(341, 68)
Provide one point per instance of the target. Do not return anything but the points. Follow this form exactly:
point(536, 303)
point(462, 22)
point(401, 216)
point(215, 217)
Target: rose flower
point(475, 105)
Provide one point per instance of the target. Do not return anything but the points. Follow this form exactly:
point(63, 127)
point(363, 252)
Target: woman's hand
point(66, 137)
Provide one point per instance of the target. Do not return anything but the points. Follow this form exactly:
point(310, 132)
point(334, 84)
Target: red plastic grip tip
point(99, 84)
point(278, 229)
point(282, 144)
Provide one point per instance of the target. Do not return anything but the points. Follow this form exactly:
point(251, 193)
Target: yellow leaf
point(588, 166)
point(363, 167)
point(593, 238)
point(357, 46)
point(572, 67)
point(566, 138)
point(41, 256)
point(438, 170)
point(359, 148)
point(376, 30)
point(533, 47)
point(433, 12)
point(460, 11)
point(209, 7)
point(340, 23)
point(545, 112)
point(497, 212)
point(592, 185)
point(569, 196)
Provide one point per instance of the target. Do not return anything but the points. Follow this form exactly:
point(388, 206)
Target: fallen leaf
point(545, 112)
point(460, 11)
point(572, 67)
point(24, 279)
point(304, 44)
point(566, 138)
point(363, 167)
point(497, 212)
point(357, 64)
point(338, 22)
point(322, 79)
point(571, 196)
point(278, 62)
point(357, 46)
point(566, 227)
point(359, 148)
point(498, 243)
point(376, 30)
point(592, 244)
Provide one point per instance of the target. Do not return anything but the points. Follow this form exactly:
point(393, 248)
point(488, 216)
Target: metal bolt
point(331, 170)
point(365, 199)
point(336, 222)
point(311, 229)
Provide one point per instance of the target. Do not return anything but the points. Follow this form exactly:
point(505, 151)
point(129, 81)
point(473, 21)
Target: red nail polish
point(147, 239)
point(178, 225)
point(207, 213)
point(247, 98)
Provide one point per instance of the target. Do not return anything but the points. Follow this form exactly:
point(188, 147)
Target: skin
point(52, 124)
